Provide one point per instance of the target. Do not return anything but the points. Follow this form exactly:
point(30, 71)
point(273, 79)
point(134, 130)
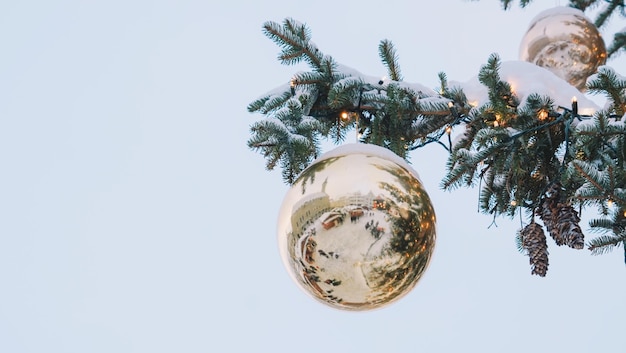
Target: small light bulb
point(513, 203)
point(543, 115)
point(292, 86)
point(574, 106)
point(610, 203)
point(345, 115)
point(448, 129)
point(496, 123)
point(450, 104)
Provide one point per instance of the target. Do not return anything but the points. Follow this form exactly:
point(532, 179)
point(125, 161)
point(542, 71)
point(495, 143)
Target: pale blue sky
point(133, 218)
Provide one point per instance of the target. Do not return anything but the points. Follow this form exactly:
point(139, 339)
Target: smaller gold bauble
point(564, 41)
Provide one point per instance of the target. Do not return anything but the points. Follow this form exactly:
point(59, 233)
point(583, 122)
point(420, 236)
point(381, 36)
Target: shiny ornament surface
point(356, 230)
point(564, 41)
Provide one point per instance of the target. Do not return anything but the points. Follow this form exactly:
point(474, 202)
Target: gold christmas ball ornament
point(564, 41)
point(356, 230)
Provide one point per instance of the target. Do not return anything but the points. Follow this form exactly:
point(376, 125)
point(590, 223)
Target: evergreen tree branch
point(269, 103)
point(590, 173)
point(294, 40)
point(604, 15)
point(515, 151)
point(617, 46)
point(606, 243)
point(607, 82)
point(583, 4)
point(506, 4)
point(387, 53)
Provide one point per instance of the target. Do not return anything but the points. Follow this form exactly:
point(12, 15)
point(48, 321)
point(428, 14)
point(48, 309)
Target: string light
point(543, 114)
point(574, 106)
point(346, 116)
point(513, 203)
point(452, 109)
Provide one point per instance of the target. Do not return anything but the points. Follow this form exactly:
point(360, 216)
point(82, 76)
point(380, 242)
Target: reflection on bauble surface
point(357, 229)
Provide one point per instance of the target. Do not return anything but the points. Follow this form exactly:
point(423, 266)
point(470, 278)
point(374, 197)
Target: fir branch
point(516, 153)
point(443, 82)
point(294, 40)
point(590, 173)
point(269, 103)
point(605, 243)
point(618, 44)
point(489, 74)
point(506, 4)
point(606, 81)
point(582, 4)
point(309, 81)
point(345, 94)
point(287, 139)
point(604, 15)
point(614, 228)
point(387, 53)
point(602, 225)
point(462, 165)
point(519, 243)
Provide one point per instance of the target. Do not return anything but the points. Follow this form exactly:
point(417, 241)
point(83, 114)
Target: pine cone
point(554, 191)
point(567, 224)
point(548, 211)
point(534, 242)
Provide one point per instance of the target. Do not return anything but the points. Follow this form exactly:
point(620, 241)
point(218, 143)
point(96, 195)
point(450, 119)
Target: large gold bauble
point(356, 230)
point(565, 42)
